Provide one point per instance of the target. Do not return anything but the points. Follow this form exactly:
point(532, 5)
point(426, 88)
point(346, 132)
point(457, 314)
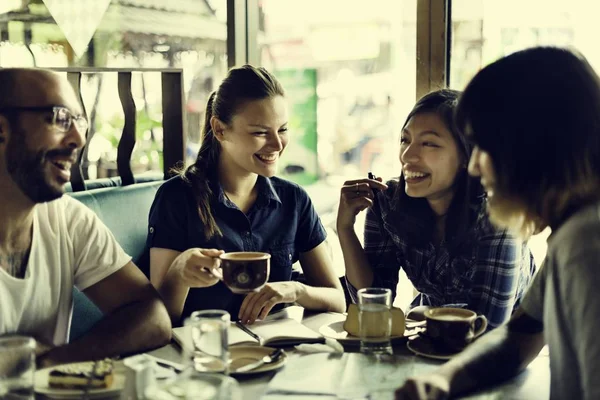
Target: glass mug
point(17, 367)
point(209, 338)
point(244, 271)
point(192, 385)
point(375, 320)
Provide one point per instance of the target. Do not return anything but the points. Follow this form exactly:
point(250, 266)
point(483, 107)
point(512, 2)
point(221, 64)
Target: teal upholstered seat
point(124, 210)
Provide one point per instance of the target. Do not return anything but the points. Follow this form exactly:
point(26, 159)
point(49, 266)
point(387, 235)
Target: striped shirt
point(488, 277)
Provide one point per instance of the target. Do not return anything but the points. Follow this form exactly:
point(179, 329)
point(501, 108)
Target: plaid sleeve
point(381, 254)
point(498, 270)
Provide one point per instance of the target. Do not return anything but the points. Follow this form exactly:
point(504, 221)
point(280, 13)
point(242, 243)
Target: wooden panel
point(438, 44)
point(174, 135)
point(77, 178)
point(432, 42)
point(127, 141)
point(236, 33)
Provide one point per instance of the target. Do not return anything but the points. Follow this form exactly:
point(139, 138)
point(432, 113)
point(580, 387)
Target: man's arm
point(135, 320)
point(496, 357)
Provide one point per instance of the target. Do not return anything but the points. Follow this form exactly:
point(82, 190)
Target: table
point(532, 384)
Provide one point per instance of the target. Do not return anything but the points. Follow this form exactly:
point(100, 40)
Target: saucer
point(244, 355)
point(335, 330)
point(41, 386)
point(422, 346)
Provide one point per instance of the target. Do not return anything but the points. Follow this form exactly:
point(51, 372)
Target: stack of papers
point(342, 376)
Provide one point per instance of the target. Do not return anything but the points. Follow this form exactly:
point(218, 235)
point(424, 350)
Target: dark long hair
point(537, 113)
point(414, 218)
point(241, 85)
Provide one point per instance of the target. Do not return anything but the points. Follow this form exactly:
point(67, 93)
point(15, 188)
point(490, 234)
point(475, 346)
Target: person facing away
point(230, 200)
point(432, 224)
point(50, 242)
point(534, 117)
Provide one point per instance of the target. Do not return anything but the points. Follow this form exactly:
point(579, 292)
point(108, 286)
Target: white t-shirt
point(565, 296)
point(70, 246)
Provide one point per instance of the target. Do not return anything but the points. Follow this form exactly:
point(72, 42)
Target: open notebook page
point(183, 336)
point(284, 332)
point(278, 332)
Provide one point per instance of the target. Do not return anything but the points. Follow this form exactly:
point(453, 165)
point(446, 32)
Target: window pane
point(485, 30)
point(362, 71)
point(185, 34)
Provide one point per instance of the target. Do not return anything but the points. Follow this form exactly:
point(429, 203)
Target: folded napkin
point(330, 346)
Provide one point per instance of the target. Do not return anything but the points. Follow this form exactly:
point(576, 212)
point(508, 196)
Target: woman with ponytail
point(230, 200)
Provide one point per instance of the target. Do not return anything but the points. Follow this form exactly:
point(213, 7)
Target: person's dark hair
point(242, 84)
point(414, 217)
point(537, 113)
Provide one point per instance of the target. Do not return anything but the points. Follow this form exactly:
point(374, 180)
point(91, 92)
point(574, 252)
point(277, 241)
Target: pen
point(374, 177)
point(249, 332)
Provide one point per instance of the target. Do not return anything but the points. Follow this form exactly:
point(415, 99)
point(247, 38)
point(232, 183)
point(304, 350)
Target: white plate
point(244, 355)
point(41, 386)
point(335, 330)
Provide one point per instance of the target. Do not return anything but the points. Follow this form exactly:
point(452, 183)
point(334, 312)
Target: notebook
point(278, 333)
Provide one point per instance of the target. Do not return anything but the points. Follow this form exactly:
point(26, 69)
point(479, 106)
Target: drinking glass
point(209, 330)
point(192, 385)
point(17, 367)
point(375, 320)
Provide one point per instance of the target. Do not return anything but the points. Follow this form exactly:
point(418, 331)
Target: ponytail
point(198, 175)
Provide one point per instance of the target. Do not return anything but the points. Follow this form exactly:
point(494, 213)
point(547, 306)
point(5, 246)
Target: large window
point(186, 34)
point(349, 69)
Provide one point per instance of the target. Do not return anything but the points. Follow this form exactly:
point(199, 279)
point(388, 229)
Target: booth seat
point(124, 210)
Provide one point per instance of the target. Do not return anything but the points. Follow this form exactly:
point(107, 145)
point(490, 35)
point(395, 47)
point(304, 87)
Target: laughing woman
point(230, 200)
point(432, 224)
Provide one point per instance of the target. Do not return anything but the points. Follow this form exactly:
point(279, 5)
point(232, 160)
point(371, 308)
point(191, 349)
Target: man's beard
point(28, 169)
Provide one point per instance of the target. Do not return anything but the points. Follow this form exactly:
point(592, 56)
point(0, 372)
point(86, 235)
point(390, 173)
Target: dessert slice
point(95, 375)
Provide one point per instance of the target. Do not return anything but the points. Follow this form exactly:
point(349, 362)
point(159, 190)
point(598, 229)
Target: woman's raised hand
point(198, 267)
point(356, 196)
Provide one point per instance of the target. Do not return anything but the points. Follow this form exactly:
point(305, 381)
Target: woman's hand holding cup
point(198, 267)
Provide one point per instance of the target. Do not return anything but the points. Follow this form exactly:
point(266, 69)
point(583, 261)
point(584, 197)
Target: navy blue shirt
point(282, 222)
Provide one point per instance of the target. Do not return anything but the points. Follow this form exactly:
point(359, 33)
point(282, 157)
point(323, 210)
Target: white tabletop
point(354, 372)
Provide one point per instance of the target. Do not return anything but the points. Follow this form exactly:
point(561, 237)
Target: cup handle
point(484, 323)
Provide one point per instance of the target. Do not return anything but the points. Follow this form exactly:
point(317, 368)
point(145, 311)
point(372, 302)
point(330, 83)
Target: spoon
point(268, 359)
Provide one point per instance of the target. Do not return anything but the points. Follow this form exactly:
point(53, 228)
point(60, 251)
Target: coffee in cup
point(244, 271)
point(453, 328)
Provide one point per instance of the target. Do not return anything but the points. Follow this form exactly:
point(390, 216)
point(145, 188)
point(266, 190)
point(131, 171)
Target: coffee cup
point(244, 271)
point(453, 328)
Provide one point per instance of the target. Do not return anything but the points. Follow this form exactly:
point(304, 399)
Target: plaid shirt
point(489, 278)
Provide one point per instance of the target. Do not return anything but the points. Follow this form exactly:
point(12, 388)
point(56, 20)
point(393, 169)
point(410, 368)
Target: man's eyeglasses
point(62, 118)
